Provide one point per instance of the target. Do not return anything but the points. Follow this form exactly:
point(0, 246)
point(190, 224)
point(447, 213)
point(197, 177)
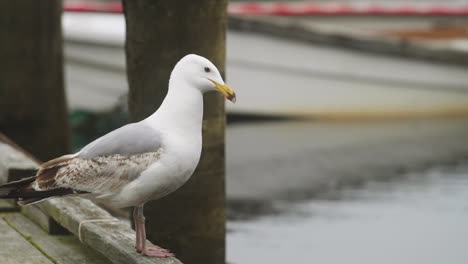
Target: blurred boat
point(275, 75)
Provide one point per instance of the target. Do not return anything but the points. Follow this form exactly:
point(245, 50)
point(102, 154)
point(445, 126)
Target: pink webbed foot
point(157, 252)
point(138, 250)
point(140, 240)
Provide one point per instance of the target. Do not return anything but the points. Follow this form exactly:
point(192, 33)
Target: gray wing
point(105, 165)
point(129, 140)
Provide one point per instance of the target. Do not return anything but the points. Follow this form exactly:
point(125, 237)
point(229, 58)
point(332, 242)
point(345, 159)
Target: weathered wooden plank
point(15, 249)
point(11, 158)
point(8, 206)
point(7, 141)
point(46, 222)
point(111, 237)
point(14, 162)
point(63, 249)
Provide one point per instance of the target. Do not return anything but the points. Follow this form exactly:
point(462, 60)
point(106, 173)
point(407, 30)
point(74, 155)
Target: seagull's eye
point(207, 69)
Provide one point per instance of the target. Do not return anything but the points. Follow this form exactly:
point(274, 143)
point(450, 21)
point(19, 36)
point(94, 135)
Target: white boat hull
point(274, 76)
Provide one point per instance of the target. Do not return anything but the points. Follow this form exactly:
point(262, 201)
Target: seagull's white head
point(203, 75)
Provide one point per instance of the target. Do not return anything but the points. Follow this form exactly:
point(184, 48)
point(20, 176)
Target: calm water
point(419, 218)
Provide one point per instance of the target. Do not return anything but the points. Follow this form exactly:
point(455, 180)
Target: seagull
point(138, 162)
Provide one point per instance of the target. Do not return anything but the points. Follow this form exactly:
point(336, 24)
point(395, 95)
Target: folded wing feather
point(101, 175)
point(104, 166)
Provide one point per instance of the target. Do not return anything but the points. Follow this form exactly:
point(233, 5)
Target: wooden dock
point(50, 232)
point(24, 241)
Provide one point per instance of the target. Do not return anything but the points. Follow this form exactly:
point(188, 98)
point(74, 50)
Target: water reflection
point(418, 218)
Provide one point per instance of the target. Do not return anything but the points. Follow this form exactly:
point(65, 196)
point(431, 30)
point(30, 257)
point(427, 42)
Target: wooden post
point(32, 100)
point(190, 221)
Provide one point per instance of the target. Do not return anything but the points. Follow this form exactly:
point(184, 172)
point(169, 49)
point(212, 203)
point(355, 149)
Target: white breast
point(176, 164)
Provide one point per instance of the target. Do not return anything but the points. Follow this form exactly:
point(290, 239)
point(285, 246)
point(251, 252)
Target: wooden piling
point(191, 221)
point(32, 99)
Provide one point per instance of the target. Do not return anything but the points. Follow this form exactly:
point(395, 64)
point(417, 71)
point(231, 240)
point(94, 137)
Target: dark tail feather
point(11, 190)
point(36, 196)
point(44, 180)
point(26, 194)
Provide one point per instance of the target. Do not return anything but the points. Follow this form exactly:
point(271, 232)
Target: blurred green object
point(87, 126)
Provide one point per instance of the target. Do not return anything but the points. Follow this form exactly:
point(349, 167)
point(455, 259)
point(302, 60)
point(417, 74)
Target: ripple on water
point(420, 218)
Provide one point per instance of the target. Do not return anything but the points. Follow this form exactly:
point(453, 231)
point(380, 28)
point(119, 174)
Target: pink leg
point(140, 243)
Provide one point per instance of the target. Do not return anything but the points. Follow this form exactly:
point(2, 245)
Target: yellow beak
point(226, 91)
